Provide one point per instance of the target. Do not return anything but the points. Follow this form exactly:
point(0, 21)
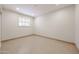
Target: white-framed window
point(24, 21)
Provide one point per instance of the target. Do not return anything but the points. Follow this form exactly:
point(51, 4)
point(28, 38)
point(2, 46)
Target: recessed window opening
point(24, 21)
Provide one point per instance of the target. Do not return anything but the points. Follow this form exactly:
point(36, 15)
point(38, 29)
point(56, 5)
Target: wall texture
point(0, 29)
point(10, 26)
point(0, 25)
point(58, 24)
point(77, 25)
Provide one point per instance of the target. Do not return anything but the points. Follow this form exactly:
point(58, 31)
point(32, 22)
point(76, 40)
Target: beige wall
point(0, 26)
point(10, 26)
point(77, 25)
point(58, 24)
point(0, 29)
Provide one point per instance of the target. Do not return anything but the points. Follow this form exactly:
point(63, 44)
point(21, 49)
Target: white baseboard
point(18, 37)
point(38, 35)
point(54, 38)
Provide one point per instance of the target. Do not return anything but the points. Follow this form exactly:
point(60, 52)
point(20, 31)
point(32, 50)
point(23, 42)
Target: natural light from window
point(24, 21)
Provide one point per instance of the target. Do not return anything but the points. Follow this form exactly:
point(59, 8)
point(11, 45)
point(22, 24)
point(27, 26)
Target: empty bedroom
point(39, 29)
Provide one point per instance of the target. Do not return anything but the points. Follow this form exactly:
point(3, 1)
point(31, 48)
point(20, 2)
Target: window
point(24, 21)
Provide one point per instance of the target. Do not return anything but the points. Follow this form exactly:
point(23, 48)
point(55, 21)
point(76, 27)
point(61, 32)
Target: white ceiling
point(34, 9)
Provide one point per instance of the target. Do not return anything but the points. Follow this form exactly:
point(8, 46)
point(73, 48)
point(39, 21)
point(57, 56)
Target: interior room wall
point(10, 26)
point(0, 29)
point(58, 24)
point(0, 26)
point(77, 25)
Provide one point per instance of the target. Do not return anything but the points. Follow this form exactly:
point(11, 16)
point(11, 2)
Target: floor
point(37, 45)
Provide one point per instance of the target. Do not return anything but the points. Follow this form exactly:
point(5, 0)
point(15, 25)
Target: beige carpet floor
point(37, 45)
